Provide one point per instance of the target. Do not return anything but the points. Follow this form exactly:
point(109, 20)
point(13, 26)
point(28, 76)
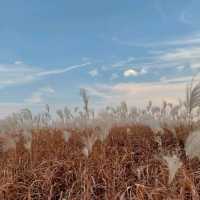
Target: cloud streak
point(39, 95)
point(20, 73)
point(61, 71)
point(193, 39)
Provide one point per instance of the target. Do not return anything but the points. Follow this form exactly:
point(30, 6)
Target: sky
point(130, 50)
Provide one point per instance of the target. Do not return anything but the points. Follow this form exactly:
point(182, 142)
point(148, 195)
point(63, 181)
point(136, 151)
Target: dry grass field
point(128, 164)
point(119, 154)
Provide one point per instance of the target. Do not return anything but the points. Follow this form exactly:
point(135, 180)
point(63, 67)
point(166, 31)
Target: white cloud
point(130, 72)
point(86, 59)
point(12, 74)
point(195, 65)
point(181, 54)
point(94, 72)
point(138, 94)
point(181, 57)
point(48, 90)
point(183, 79)
point(18, 62)
point(61, 71)
point(39, 95)
point(122, 63)
point(193, 39)
point(21, 73)
point(181, 67)
point(143, 71)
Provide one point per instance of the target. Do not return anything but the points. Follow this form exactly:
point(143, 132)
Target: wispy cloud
point(193, 39)
point(143, 71)
point(179, 58)
point(138, 94)
point(39, 95)
point(18, 62)
point(122, 63)
point(61, 71)
point(184, 18)
point(17, 73)
point(182, 56)
point(94, 72)
point(21, 73)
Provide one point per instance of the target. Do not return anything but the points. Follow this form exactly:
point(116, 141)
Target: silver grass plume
point(173, 164)
point(192, 98)
point(192, 144)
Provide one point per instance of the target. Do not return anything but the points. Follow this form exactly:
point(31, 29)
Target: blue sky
point(132, 50)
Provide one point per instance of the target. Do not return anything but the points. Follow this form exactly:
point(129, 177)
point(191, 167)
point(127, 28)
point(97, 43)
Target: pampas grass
point(192, 145)
point(173, 164)
point(123, 165)
point(66, 135)
point(113, 154)
point(88, 141)
point(192, 98)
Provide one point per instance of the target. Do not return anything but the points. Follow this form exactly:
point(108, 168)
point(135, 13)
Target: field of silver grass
point(118, 153)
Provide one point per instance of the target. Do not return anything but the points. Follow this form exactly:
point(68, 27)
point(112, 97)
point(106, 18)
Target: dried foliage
point(117, 154)
point(127, 164)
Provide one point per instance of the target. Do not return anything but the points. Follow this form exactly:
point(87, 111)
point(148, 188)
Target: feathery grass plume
point(149, 106)
point(192, 144)
point(46, 116)
point(101, 125)
point(28, 139)
point(85, 98)
point(28, 145)
point(68, 113)
point(192, 98)
point(128, 131)
point(88, 142)
point(163, 109)
point(85, 151)
point(66, 135)
point(157, 138)
point(150, 121)
point(102, 132)
point(60, 114)
point(173, 163)
point(123, 111)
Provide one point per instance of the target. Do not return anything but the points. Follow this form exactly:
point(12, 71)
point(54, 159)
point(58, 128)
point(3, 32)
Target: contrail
point(60, 71)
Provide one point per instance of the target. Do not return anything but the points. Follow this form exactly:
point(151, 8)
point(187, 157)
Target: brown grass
point(127, 165)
